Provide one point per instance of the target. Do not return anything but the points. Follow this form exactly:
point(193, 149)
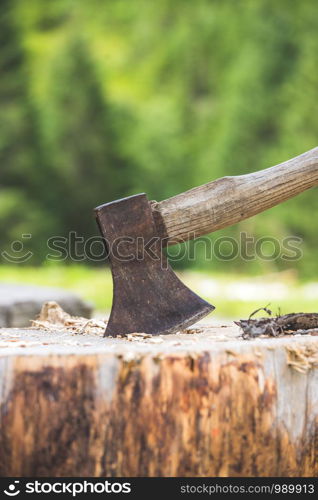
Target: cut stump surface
point(202, 403)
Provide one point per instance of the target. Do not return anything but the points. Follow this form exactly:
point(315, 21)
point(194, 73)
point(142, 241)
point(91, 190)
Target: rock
point(19, 304)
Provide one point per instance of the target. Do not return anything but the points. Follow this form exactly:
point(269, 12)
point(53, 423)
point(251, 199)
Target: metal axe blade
point(148, 297)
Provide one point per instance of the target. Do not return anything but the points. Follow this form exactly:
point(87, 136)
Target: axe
point(148, 297)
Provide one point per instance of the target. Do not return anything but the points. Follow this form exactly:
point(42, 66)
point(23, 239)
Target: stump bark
point(200, 404)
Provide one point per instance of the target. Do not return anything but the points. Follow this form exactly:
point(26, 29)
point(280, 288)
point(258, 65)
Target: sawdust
point(302, 358)
point(155, 340)
point(137, 337)
point(199, 329)
point(192, 330)
point(53, 318)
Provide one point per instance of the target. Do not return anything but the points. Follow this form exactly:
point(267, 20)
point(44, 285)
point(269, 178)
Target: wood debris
point(288, 324)
point(53, 318)
point(155, 340)
point(137, 336)
point(192, 330)
point(302, 358)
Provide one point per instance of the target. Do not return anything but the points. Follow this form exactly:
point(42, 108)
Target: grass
point(233, 295)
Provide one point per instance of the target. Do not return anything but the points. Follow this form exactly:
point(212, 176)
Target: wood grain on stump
point(201, 404)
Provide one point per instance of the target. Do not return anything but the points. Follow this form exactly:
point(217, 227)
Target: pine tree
point(82, 142)
point(17, 135)
point(20, 211)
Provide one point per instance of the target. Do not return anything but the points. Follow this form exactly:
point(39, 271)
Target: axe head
point(147, 296)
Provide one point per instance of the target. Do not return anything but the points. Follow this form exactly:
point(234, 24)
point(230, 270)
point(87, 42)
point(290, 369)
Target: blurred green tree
point(20, 211)
point(105, 99)
point(81, 136)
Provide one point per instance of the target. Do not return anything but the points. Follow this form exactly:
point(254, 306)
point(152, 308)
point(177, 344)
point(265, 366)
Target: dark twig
point(301, 323)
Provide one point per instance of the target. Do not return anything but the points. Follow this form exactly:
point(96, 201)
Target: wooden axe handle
point(229, 200)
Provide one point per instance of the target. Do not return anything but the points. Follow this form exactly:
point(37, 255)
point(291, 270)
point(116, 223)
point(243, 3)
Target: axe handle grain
point(229, 200)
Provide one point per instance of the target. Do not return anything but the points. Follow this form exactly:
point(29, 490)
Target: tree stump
point(202, 403)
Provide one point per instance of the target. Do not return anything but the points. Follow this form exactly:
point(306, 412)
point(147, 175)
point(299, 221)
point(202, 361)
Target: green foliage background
point(100, 100)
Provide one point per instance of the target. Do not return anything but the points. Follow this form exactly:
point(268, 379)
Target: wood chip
point(155, 340)
point(53, 318)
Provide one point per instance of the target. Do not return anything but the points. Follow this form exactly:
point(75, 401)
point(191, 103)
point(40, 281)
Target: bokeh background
point(99, 100)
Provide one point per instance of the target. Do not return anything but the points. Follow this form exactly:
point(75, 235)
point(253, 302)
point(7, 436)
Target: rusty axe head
point(148, 297)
